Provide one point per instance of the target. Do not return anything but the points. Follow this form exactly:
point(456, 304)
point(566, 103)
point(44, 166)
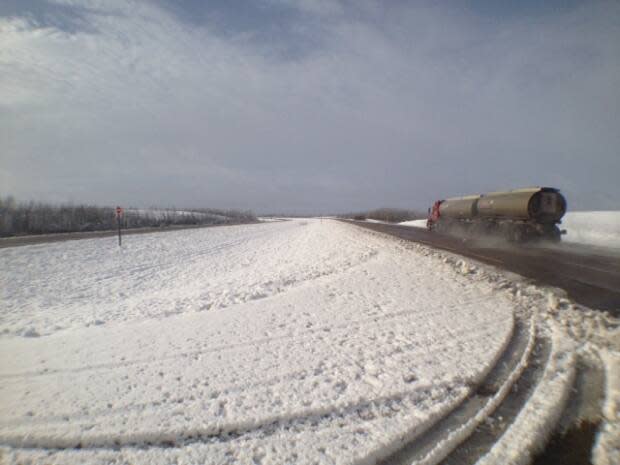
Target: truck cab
point(433, 215)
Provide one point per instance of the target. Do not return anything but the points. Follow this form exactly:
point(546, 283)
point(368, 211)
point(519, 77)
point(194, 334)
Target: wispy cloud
point(346, 105)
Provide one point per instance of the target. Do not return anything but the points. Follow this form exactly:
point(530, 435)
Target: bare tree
point(39, 218)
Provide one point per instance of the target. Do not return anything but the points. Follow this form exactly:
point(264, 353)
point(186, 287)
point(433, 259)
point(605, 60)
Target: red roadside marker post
point(119, 214)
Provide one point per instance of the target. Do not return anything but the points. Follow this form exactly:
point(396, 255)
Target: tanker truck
point(518, 215)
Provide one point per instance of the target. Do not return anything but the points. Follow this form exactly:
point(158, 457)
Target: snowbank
point(595, 228)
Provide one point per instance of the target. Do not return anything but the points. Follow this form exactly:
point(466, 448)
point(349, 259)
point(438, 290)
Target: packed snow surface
point(287, 342)
point(596, 228)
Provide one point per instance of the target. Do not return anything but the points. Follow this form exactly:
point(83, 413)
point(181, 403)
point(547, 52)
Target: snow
point(536, 421)
point(300, 341)
point(601, 228)
point(415, 223)
point(281, 342)
point(443, 448)
point(607, 448)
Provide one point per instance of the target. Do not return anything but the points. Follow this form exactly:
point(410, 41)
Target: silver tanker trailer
point(519, 215)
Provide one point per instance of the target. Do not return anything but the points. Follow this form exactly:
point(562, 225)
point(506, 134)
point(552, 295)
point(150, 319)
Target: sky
point(307, 106)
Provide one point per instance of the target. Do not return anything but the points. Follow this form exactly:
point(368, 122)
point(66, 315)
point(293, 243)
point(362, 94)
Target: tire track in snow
point(422, 342)
point(519, 427)
point(398, 355)
point(493, 427)
point(449, 433)
point(225, 433)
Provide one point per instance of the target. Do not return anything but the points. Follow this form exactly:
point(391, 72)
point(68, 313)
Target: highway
point(589, 275)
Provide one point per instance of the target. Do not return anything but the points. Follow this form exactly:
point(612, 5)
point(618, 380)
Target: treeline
point(389, 215)
point(41, 218)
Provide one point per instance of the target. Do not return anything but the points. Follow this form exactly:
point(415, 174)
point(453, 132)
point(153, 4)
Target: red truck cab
point(433, 215)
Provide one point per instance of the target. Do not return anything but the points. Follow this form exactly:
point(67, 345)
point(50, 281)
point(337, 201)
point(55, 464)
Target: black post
point(119, 213)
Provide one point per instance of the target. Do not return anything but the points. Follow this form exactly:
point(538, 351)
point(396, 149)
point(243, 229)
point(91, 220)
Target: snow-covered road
point(292, 342)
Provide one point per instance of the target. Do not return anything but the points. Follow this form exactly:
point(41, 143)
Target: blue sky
point(307, 105)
